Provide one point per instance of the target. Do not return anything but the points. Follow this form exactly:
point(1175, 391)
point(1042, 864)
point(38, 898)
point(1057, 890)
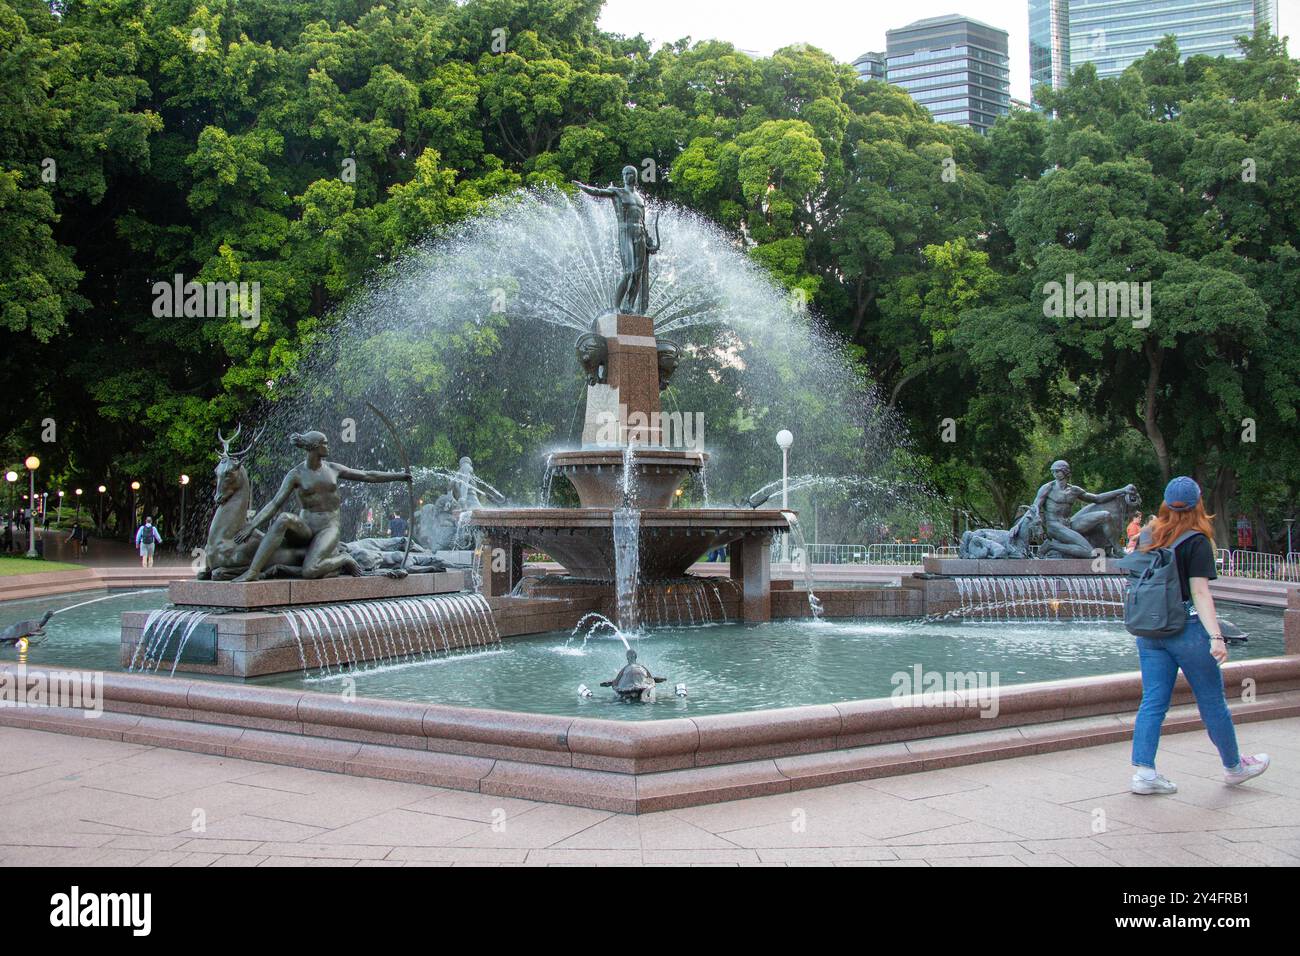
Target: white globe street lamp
point(785, 439)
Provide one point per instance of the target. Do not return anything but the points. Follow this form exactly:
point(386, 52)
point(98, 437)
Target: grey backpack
point(1153, 603)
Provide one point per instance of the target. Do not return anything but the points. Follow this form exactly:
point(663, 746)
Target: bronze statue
point(635, 246)
point(1076, 537)
point(994, 543)
point(316, 525)
point(223, 556)
point(391, 557)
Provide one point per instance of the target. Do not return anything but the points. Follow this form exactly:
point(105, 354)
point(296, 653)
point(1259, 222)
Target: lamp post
point(60, 517)
point(1289, 522)
point(785, 439)
point(135, 488)
point(77, 492)
point(11, 477)
point(32, 464)
point(99, 525)
point(180, 535)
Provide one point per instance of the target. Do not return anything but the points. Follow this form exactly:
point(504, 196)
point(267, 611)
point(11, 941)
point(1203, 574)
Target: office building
point(870, 66)
point(1111, 34)
point(954, 66)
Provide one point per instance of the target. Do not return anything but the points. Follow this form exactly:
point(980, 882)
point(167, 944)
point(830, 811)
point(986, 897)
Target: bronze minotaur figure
point(316, 525)
point(635, 246)
point(1077, 537)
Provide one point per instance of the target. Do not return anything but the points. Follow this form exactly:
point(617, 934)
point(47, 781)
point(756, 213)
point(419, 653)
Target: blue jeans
point(1161, 658)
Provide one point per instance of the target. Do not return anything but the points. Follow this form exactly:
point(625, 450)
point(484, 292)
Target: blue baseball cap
point(1182, 494)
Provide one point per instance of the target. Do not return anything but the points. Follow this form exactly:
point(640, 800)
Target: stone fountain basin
point(597, 475)
point(582, 539)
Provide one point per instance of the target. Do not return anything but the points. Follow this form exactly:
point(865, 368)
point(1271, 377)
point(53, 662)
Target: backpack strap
point(1181, 538)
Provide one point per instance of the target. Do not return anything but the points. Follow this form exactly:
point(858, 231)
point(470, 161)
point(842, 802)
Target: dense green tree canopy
point(306, 144)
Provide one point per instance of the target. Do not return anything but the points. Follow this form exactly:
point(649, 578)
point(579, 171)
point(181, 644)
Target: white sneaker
point(1247, 768)
point(1156, 784)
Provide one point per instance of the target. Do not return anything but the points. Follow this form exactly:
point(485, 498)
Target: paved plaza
point(86, 802)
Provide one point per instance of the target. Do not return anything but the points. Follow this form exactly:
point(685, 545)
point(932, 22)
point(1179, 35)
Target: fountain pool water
point(728, 667)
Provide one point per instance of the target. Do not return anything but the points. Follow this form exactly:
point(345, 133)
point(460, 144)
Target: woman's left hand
point(1218, 650)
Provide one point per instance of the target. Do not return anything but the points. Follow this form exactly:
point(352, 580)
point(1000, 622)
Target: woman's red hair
point(1169, 524)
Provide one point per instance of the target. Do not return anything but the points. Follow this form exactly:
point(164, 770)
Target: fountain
point(626, 530)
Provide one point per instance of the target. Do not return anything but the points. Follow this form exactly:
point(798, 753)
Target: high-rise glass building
point(1111, 34)
point(1049, 42)
point(870, 66)
point(954, 66)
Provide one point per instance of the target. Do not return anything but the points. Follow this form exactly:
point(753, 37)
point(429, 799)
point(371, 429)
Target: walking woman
point(1198, 650)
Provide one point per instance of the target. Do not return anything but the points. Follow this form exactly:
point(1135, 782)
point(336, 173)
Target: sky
point(843, 28)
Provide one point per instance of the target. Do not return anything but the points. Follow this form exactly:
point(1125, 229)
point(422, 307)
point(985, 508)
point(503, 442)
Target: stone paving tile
point(944, 851)
point(1156, 813)
point(331, 850)
point(975, 861)
point(1273, 811)
point(160, 773)
point(332, 809)
point(246, 826)
point(401, 826)
point(1088, 858)
point(239, 859)
point(681, 857)
point(817, 833)
point(147, 842)
point(1243, 854)
point(918, 786)
point(545, 826)
point(203, 845)
point(553, 855)
point(955, 833)
point(481, 807)
point(1155, 856)
point(1016, 813)
point(458, 854)
point(1042, 859)
point(826, 854)
point(878, 815)
point(306, 861)
point(288, 779)
point(170, 814)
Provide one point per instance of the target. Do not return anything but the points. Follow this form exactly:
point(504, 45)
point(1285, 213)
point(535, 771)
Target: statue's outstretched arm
point(594, 190)
point(374, 477)
point(1105, 496)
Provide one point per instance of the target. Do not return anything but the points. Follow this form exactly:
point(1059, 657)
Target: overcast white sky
point(843, 28)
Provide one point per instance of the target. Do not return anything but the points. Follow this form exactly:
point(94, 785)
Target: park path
point(80, 801)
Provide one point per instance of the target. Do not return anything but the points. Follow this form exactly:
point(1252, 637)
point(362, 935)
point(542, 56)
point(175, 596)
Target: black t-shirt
point(1195, 559)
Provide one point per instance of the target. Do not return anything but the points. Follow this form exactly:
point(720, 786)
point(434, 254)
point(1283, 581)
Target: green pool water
point(725, 667)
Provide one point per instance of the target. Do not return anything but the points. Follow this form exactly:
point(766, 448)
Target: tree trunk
point(1218, 495)
point(1155, 359)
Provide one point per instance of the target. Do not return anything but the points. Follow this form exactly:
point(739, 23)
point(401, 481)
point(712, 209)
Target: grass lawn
point(9, 565)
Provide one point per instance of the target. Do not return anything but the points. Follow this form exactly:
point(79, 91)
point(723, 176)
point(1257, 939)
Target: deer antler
point(226, 442)
point(252, 442)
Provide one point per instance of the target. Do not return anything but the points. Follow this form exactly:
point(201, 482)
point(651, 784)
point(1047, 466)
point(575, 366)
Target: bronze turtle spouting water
point(634, 681)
